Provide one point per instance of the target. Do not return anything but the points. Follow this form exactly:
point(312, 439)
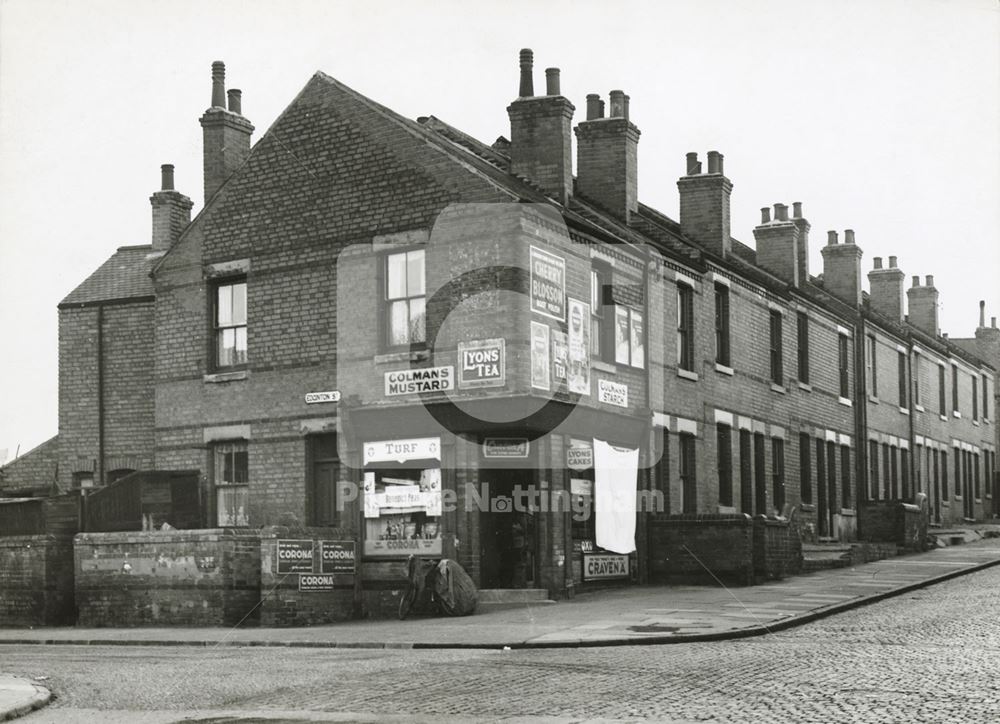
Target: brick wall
point(894, 522)
point(777, 549)
point(34, 470)
point(185, 578)
point(700, 548)
point(36, 581)
point(283, 604)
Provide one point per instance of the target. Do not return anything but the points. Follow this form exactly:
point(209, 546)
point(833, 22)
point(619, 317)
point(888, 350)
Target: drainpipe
point(860, 419)
point(913, 413)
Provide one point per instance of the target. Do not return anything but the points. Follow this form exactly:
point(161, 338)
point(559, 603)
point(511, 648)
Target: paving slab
point(20, 696)
point(633, 615)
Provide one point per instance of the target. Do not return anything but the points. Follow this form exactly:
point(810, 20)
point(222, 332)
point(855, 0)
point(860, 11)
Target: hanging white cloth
point(616, 471)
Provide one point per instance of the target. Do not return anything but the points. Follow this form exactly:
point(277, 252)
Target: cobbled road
point(929, 656)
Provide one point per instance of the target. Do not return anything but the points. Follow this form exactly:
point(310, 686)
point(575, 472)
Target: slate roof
point(123, 276)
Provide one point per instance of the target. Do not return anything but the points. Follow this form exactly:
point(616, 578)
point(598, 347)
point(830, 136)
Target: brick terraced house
point(421, 343)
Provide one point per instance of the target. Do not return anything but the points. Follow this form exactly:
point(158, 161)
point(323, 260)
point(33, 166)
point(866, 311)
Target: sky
point(880, 116)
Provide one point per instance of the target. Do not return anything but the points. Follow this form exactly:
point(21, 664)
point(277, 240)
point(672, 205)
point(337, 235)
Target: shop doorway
point(507, 535)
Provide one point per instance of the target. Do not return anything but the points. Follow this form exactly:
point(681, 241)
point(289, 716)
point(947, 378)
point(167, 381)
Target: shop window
point(685, 327)
point(805, 469)
point(724, 445)
point(402, 498)
point(777, 353)
point(583, 525)
point(722, 355)
point(873, 488)
point(230, 321)
point(778, 473)
point(324, 471)
point(602, 331)
point(689, 483)
point(802, 321)
point(232, 478)
point(406, 320)
point(844, 365)
point(871, 364)
point(845, 476)
point(904, 400)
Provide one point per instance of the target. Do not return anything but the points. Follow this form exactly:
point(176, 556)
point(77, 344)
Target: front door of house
point(507, 530)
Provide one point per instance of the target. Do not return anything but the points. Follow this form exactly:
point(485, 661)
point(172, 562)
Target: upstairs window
point(975, 398)
point(917, 372)
point(844, 364)
point(954, 389)
point(231, 323)
point(602, 330)
point(903, 396)
point(871, 362)
point(722, 355)
point(630, 345)
point(685, 327)
point(802, 322)
point(941, 397)
point(406, 320)
point(777, 351)
point(986, 397)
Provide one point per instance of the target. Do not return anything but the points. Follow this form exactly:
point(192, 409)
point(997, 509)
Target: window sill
point(873, 398)
point(919, 408)
point(904, 411)
point(845, 402)
point(944, 418)
point(848, 512)
point(808, 507)
point(724, 369)
point(976, 423)
point(688, 375)
point(956, 413)
point(777, 388)
point(602, 366)
point(418, 355)
point(226, 376)
point(945, 504)
point(805, 386)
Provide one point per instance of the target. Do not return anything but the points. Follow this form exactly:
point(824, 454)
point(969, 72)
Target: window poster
point(560, 356)
point(621, 335)
point(540, 356)
point(638, 339)
point(579, 347)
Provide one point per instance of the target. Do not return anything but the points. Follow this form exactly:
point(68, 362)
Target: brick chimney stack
point(171, 211)
point(803, 247)
point(607, 156)
point(842, 268)
point(886, 296)
point(704, 207)
point(225, 132)
point(988, 341)
point(540, 138)
point(778, 242)
point(923, 306)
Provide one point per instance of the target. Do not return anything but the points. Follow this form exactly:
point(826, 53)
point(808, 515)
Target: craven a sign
point(505, 447)
point(604, 565)
point(421, 379)
point(481, 363)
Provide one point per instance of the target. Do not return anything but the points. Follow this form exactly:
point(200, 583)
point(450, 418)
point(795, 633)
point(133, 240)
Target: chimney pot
point(878, 262)
point(765, 215)
point(831, 239)
point(625, 101)
point(552, 81)
point(594, 109)
point(167, 177)
point(916, 281)
point(714, 162)
point(527, 88)
point(797, 209)
point(617, 99)
point(693, 167)
point(780, 212)
point(993, 322)
point(982, 312)
point(929, 281)
point(848, 236)
point(892, 262)
point(218, 84)
point(235, 101)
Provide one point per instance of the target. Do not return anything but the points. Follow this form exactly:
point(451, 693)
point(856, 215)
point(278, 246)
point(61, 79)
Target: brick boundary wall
point(681, 547)
point(183, 578)
point(902, 524)
point(283, 604)
point(777, 549)
point(36, 580)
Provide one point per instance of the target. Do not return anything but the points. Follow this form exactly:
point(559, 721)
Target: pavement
point(631, 616)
